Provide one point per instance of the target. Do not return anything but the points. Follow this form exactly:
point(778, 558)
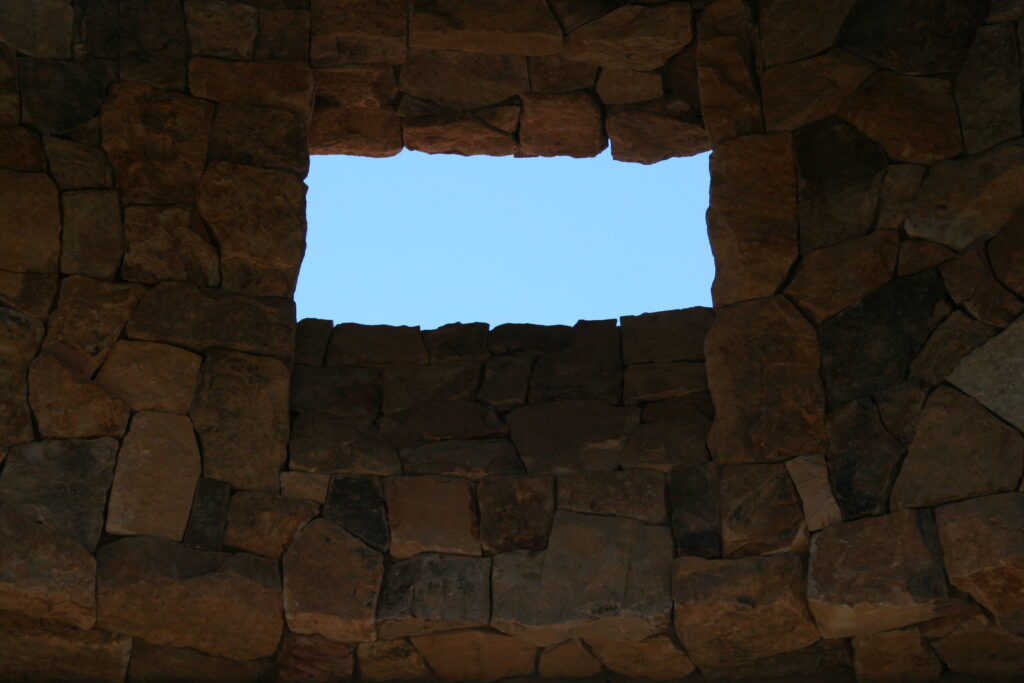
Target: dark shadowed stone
point(432, 592)
point(440, 420)
point(357, 85)
point(666, 335)
point(899, 407)
point(391, 660)
point(44, 650)
point(358, 32)
point(509, 27)
point(633, 37)
point(681, 79)
point(357, 505)
point(20, 336)
point(325, 443)
point(219, 29)
point(30, 293)
point(914, 36)
point(657, 658)
point(21, 149)
point(862, 459)
point(220, 604)
point(463, 80)
point(650, 132)
point(457, 341)
point(68, 405)
point(792, 29)
point(662, 381)
point(473, 459)
point(899, 582)
point(97, 29)
point(305, 485)
point(988, 92)
point(43, 29)
point(918, 255)
point(168, 243)
point(624, 594)
point(61, 484)
point(476, 655)
point(10, 98)
point(826, 659)
point(527, 338)
point(694, 510)
point(960, 450)
point(30, 223)
point(574, 13)
point(405, 386)
point(726, 69)
point(283, 85)
point(374, 345)
point(561, 124)
point(589, 368)
point(971, 284)
point(841, 174)
point(346, 391)
point(209, 516)
point(306, 659)
point(992, 374)
point(737, 611)
point(92, 239)
point(157, 663)
point(264, 523)
point(761, 511)
point(901, 184)
point(571, 436)
point(355, 131)
point(259, 136)
point(59, 96)
point(45, 574)
point(637, 494)
point(432, 514)
point(667, 443)
point(153, 42)
point(1006, 252)
point(555, 73)
point(515, 513)
point(869, 347)
point(626, 86)
point(763, 370)
point(460, 133)
point(311, 336)
point(951, 341)
point(895, 655)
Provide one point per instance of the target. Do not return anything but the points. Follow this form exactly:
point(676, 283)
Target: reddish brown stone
point(590, 367)
point(918, 255)
point(666, 335)
point(359, 85)
point(285, 85)
point(623, 86)
point(440, 420)
point(153, 42)
point(241, 416)
point(358, 32)
point(76, 166)
point(283, 34)
point(432, 514)
point(894, 656)
point(264, 523)
point(472, 459)
point(555, 73)
point(566, 124)
point(68, 405)
point(21, 149)
point(209, 515)
point(405, 386)
point(476, 655)
point(900, 582)
point(260, 136)
point(668, 443)
point(662, 381)
point(680, 407)
point(43, 650)
point(45, 87)
point(988, 92)
point(574, 13)
point(730, 612)
point(632, 37)
point(463, 80)
point(761, 511)
point(92, 239)
point(157, 142)
point(982, 652)
point(20, 336)
point(656, 659)
point(168, 243)
point(312, 659)
point(901, 184)
point(311, 337)
point(357, 132)
point(571, 436)
point(44, 30)
point(791, 30)
point(29, 222)
point(456, 134)
point(346, 391)
point(30, 293)
point(567, 660)
point(899, 407)
point(357, 504)
point(508, 27)
point(391, 660)
point(515, 513)
point(725, 70)
point(693, 493)
point(221, 29)
point(1005, 252)
point(971, 284)
point(328, 444)
point(375, 345)
point(654, 131)
point(810, 476)
point(305, 486)
point(991, 374)
point(951, 341)
point(156, 663)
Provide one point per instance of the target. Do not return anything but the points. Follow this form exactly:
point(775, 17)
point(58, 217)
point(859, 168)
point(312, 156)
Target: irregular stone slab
point(476, 655)
point(260, 136)
point(20, 336)
point(473, 459)
point(960, 450)
point(869, 347)
point(283, 34)
point(662, 381)
point(457, 341)
point(918, 255)
point(241, 416)
point(561, 124)
point(791, 30)
point(432, 514)
point(311, 337)
point(218, 29)
point(951, 341)
point(323, 443)
point(284, 85)
point(76, 166)
point(761, 511)
point(575, 13)
point(355, 131)
point(61, 484)
point(810, 476)
point(358, 32)
point(763, 369)
point(174, 131)
point(376, 345)
point(1005, 251)
point(209, 517)
point(154, 663)
point(220, 604)
point(68, 405)
point(312, 658)
point(357, 85)
point(590, 367)
point(432, 592)
point(150, 376)
point(515, 513)
point(305, 486)
point(357, 504)
point(693, 494)
point(264, 523)
point(971, 284)
point(900, 406)
point(901, 184)
point(405, 386)
point(641, 38)
point(638, 494)
point(462, 134)
point(526, 338)
point(656, 659)
point(44, 30)
point(168, 243)
point(22, 149)
point(982, 546)
point(29, 222)
point(901, 582)
point(895, 655)
point(988, 93)
point(463, 80)
point(92, 239)
point(331, 581)
point(949, 208)
point(571, 436)
point(45, 574)
point(349, 392)
point(841, 174)
point(667, 444)
point(624, 596)
point(567, 660)
point(733, 611)
point(979, 649)
point(555, 73)
point(726, 69)
point(45, 85)
point(30, 293)
point(153, 42)
point(752, 218)
point(625, 86)
point(44, 650)
point(506, 380)
point(440, 420)
point(391, 660)
point(991, 374)
point(518, 28)
point(826, 658)
point(666, 336)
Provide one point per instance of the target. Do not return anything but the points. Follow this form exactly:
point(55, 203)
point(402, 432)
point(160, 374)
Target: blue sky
point(425, 240)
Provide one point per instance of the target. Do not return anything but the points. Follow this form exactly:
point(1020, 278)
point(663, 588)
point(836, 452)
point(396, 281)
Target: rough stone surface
point(311, 337)
point(432, 514)
point(457, 341)
point(894, 655)
point(68, 405)
point(357, 504)
point(589, 367)
point(209, 517)
point(241, 416)
point(44, 30)
point(656, 659)
point(515, 513)
point(476, 655)
point(221, 29)
point(405, 386)
point(726, 71)
point(92, 241)
point(473, 459)
point(355, 131)
point(432, 592)
point(22, 150)
point(810, 476)
point(650, 132)
point(526, 338)
point(625, 86)
point(321, 443)
point(663, 381)
point(29, 293)
point(284, 85)
point(951, 341)
point(331, 582)
point(982, 652)
point(899, 407)
point(462, 134)
point(168, 243)
point(59, 96)
point(632, 37)
point(637, 494)
point(357, 32)
point(901, 582)
point(567, 660)
point(570, 436)
point(971, 284)
point(826, 658)
point(153, 42)
point(791, 30)
point(149, 376)
point(10, 98)
point(992, 374)
point(561, 124)
point(918, 255)
point(155, 663)
point(735, 611)
point(305, 486)
point(43, 650)
point(668, 443)
point(376, 345)
point(76, 166)
point(622, 596)
point(263, 523)
point(20, 336)
point(509, 27)
point(391, 660)
point(303, 659)
point(693, 494)
point(760, 510)
point(1005, 251)
point(555, 73)
point(439, 420)
point(901, 184)
point(666, 336)
point(29, 222)
point(764, 354)
point(988, 92)
point(463, 80)
point(359, 85)
point(259, 136)
point(349, 391)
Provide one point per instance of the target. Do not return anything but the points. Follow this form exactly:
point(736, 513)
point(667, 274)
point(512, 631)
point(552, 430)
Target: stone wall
point(190, 490)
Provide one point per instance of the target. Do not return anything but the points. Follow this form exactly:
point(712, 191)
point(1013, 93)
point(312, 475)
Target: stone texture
point(29, 293)
point(693, 494)
point(153, 42)
point(241, 416)
point(376, 345)
point(10, 97)
point(561, 124)
point(982, 545)
point(20, 336)
point(355, 131)
point(264, 523)
point(457, 341)
point(174, 131)
point(666, 336)
point(462, 134)
point(951, 341)
point(432, 592)
point(405, 386)
point(209, 517)
point(841, 174)
point(439, 420)
point(283, 85)
point(632, 37)
point(570, 436)
point(764, 354)
point(473, 459)
point(900, 582)
point(637, 494)
point(149, 376)
point(29, 222)
point(726, 71)
point(391, 660)
point(155, 663)
point(45, 574)
point(311, 337)
point(331, 582)
point(257, 217)
point(260, 136)
point(92, 237)
point(305, 486)
point(656, 659)
point(826, 658)
point(894, 656)
point(988, 89)
point(1005, 251)
point(59, 96)
point(357, 504)
point(221, 29)
point(790, 30)
point(526, 338)
point(624, 86)
point(357, 85)
point(348, 391)
point(623, 595)
point(918, 255)
point(61, 484)
point(220, 604)
point(44, 650)
point(810, 476)
point(555, 73)
point(168, 243)
point(589, 367)
point(567, 660)
point(199, 319)
point(463, 80)
point(157, 470)
point(869, 347)
point(305, 659)
point(68, 405)
point(663, 381)
point(574, 13)
point(357, 32)
point(476, 655)
point(510, 27)
point(22, 149)
point(515, 512)
point(650, 132)
point(982, 652)
point(668, 443)
point(752, 219)
point(971, 284)
point(736, 611)
point(321, 443)
point(901, 184)
point(432, 514)
point(991, 374)
point(760, 511)
point(899, 407)
point(44, 30)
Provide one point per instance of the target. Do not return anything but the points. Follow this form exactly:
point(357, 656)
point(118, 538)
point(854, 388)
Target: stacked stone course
point(820, 479)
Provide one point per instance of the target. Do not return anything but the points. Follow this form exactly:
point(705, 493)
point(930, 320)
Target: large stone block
point(506, 381)
point(508, 27)
point(92, 241)
point(284, 85)
point(1006, 250)
point(555, 73)
point(405, 386)
point(68, 405)
point(666, 336)
point(357, 504)
point(826, 659)
point(662, 381)
point(656, 659)
point(895, 655)
point(726, 69)
point(10, 97)
point(440, 420)
point(311, 337)
point(44, 650)
point(637, 494)
point(954, 339)
point(992, 374)
point(460, 133)
point(44, 30)
point(168, 243)
point(902, 182)
point(569, 659)
point(633, 37)
point(149, 376)
point(58, 96)
point(761, 511)
point(327, 444)
point(260, 136)
point(155, 663)
point(30, 222)
point(463, 80)
point(221, 29)
point(473, 459)
point(792, 30)
point(209, 516)
point(571, 436)
point(358, 32)
point(76, 166)
point(22, 149)
point(376, 345)
point(432, 514)
point(153, 42)
point(20, 337)
point(302, 659)
point(693, 494)
point(515, 512)
point(810, 476)
point(668, 443)
point(476, 655)
point(561, 124)
point(349, 392)
point(626, 86)
point(391, 660)
point(988, 93)
point(355, 131)
point(265, 523)
point(590, 367)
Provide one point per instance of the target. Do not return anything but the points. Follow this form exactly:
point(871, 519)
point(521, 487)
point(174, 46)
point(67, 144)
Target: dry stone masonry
point(819, 479)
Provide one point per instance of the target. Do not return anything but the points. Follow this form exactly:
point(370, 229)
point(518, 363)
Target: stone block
point(155, 663)
point(637, 494)
point(440, 420)
point(305, 486)
point(555, 73)
point(826, 658)
point(791, 30)
point(971, 284)
point(153, 42)
point(149, 376)
point(29, 293)
point(327, 444)
point(391, 660)
point(978, 650)
point(901, 184)
point(432, 514)
point(44, 30)
point(730, 612)
point(988, 92)
point(951, 341)
point(29, 222)
point(900, 582)
point(666, 336)
point(406, 386)
point(810, 476)
point(1005, 251)
point(10, 97)
point(899, 407)
point(574, 13)
point(726, 71)
point(20, 336)
point(283, 85)
point(508, 27)
point(561, 124)
point(656, 659)
point(693, 494)
point(432, 592)
point(571, 436)
point(355, 131)
point(376, 345)
point(632, 37)
point(21, 150)
point(527, 338)
point(349, 392)
point(625, 86)
point(357, 504)
point(44, 650)
point(45, 84)
point(92, 239)
point(302, 659)
point(76, 166)
point(515, 513)
point(569, 659)
point(476, 655)
point(265, 523)
point(260, 136)
point(992, 374)
point(761, 511)
point(216, 603)
point(662, 381)
point(168, 243)
point(457, 341)
point(668, 443)
point(459, 133)
point(463, 80)
point(358, 32)
point(590, 367)
point(918, 255)
point(472, 459)
point(68, 405)
point(622, 594)
point(209, 517)
point(311, 337)
point(331, 582)
point(241, 416)
point(221, 29)
point(368, 86)
point(893, 656)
